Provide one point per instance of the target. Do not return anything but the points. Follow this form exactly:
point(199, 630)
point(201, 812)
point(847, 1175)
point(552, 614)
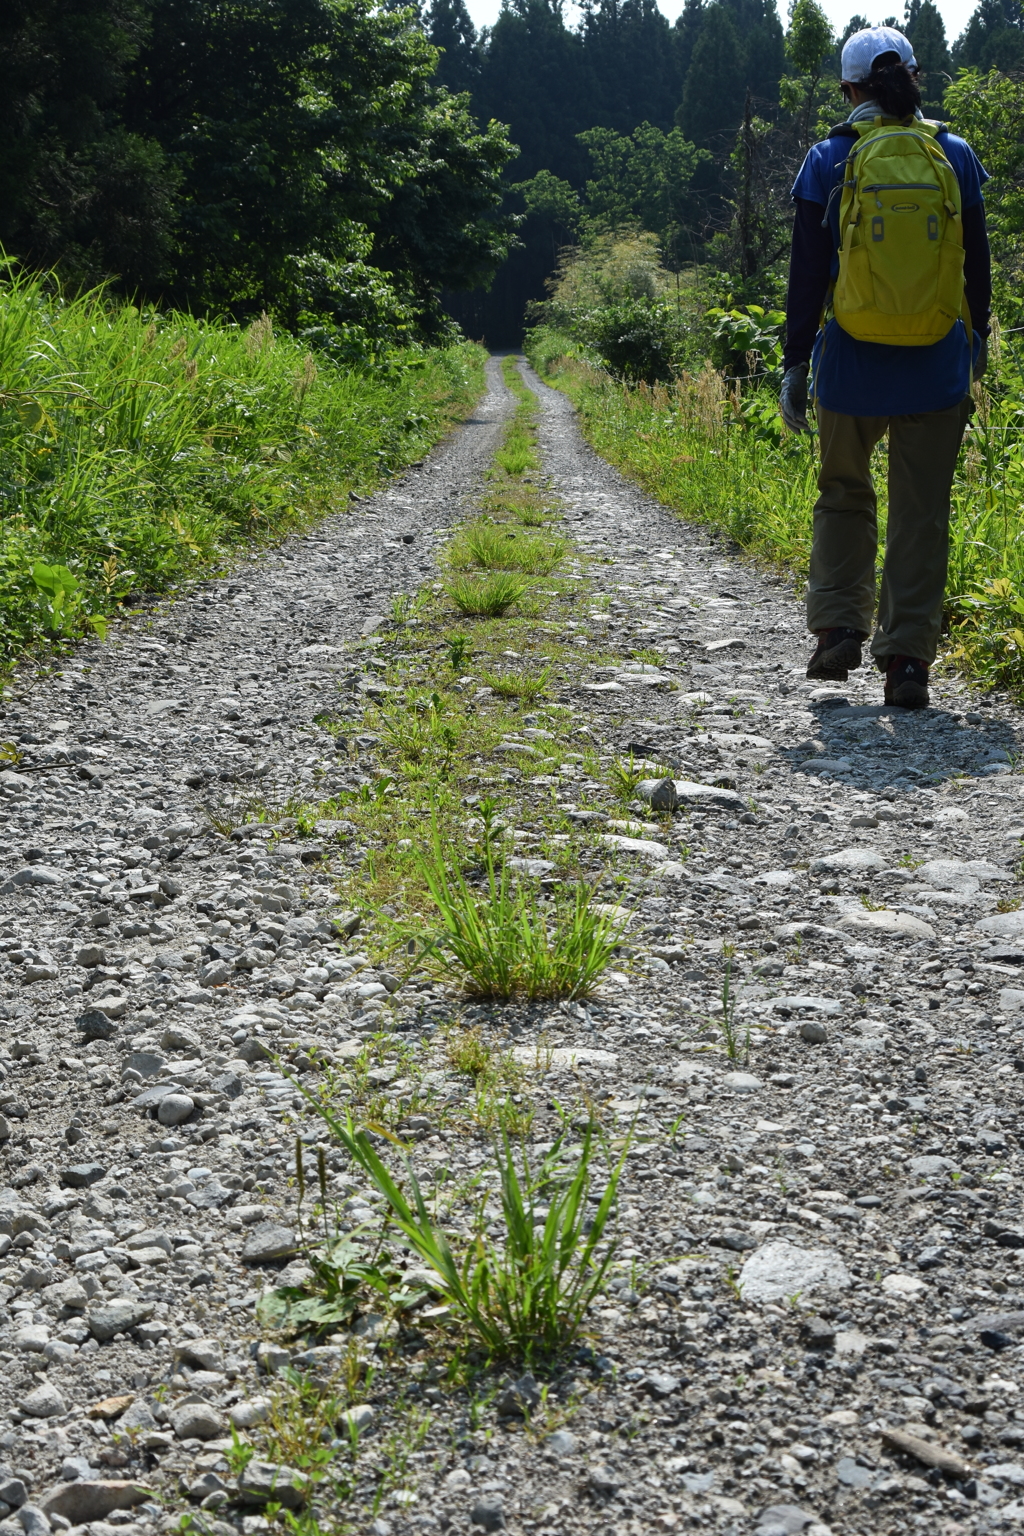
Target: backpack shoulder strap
point(843, 131)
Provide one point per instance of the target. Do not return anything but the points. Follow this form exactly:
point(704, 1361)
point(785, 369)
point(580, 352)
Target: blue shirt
point(866, 378)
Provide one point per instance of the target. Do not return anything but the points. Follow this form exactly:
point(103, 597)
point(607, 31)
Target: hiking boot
point(906, 682)
point(836, 656)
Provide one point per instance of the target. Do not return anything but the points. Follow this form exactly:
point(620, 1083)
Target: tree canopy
point(296, 156)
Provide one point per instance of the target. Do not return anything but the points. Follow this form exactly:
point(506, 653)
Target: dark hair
point(892, 85)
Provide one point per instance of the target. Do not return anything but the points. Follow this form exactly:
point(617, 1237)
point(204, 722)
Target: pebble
point(561, 1442)
point(87, 1498)
point(268, 1240)
point(848, 861)
point(262, 1482)
point(196, 1419)
point(488, 1513)
point(174, 1108)
point(742, 1082)
point(246, 1414)
point(780, 1269)
point(43, 1402)
point(357, 1418)
point(118, 1316)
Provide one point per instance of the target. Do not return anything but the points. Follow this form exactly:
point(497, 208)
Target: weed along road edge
point(488, 1046)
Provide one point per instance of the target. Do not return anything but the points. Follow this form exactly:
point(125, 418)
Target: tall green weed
point(137, 449)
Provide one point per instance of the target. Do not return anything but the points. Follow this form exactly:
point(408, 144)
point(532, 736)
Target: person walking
point(888, 307)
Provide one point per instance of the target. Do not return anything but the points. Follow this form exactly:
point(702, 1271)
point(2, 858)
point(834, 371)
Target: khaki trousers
point(922, 457)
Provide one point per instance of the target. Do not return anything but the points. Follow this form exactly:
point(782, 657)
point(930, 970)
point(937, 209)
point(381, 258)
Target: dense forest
point(363, 172)
point(299, 157)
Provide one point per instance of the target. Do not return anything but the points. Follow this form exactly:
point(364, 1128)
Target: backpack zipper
point(899, 186)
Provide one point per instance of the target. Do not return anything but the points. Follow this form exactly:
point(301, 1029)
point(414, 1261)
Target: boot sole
point(835, 666)
point(908, 696)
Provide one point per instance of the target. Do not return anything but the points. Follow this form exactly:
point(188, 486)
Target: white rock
point(827, 765)
point(955, 875)
point(34, 874)
point(903, 1285)
point(850, 1341)
point(33, 1338)
point(691, 794)
point(177, 1038)
point(563, 1056)
point(742, 1082)
point(254, 1411)
point(1003, 925)
point(895, 924)
point(848, 861)
point(206, 1354)
point(780, 1269)
point(174, 1108)
point(43, 1402)
point(356, 1419)
point(196, 1420)
point(644, 845)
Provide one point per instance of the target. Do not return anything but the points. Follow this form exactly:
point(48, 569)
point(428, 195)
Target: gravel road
point(815, 1323)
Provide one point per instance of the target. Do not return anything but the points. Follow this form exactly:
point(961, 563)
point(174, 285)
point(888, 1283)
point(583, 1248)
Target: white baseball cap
point(862, 49)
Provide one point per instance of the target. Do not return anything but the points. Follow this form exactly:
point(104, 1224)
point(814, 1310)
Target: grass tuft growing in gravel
point(517, 683)
point(524, 1298)
point(501, 943)
point(488, 597)
point(493, 547)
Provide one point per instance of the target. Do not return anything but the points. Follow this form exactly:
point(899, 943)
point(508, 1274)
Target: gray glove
point(981, 365)
point(793, 398)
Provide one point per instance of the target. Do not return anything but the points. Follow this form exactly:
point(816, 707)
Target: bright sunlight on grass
point(488, 597)
point(500, 942)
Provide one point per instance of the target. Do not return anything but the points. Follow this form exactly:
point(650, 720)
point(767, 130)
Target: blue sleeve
point(970, 172)
point(814, 179)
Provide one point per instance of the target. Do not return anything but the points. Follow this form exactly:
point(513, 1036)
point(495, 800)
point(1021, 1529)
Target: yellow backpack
point(901, 247)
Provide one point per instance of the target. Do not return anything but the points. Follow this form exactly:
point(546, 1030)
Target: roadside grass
point(141, 449)
point(723, 459)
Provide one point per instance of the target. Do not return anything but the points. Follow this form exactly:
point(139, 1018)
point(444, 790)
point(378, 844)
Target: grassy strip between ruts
point(515, 1253)
point(721, 458)
point(473, 741)
point(140, 449)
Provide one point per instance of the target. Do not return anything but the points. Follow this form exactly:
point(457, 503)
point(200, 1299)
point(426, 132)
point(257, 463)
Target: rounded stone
point(44, 1402)
point(813, 1032)
point(196, 1421)
point(174, 1108)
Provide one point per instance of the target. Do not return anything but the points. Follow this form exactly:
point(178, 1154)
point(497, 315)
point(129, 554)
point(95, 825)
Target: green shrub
point(637, 340)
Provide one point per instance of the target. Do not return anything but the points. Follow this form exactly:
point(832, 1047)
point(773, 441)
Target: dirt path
point(819, 1231)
